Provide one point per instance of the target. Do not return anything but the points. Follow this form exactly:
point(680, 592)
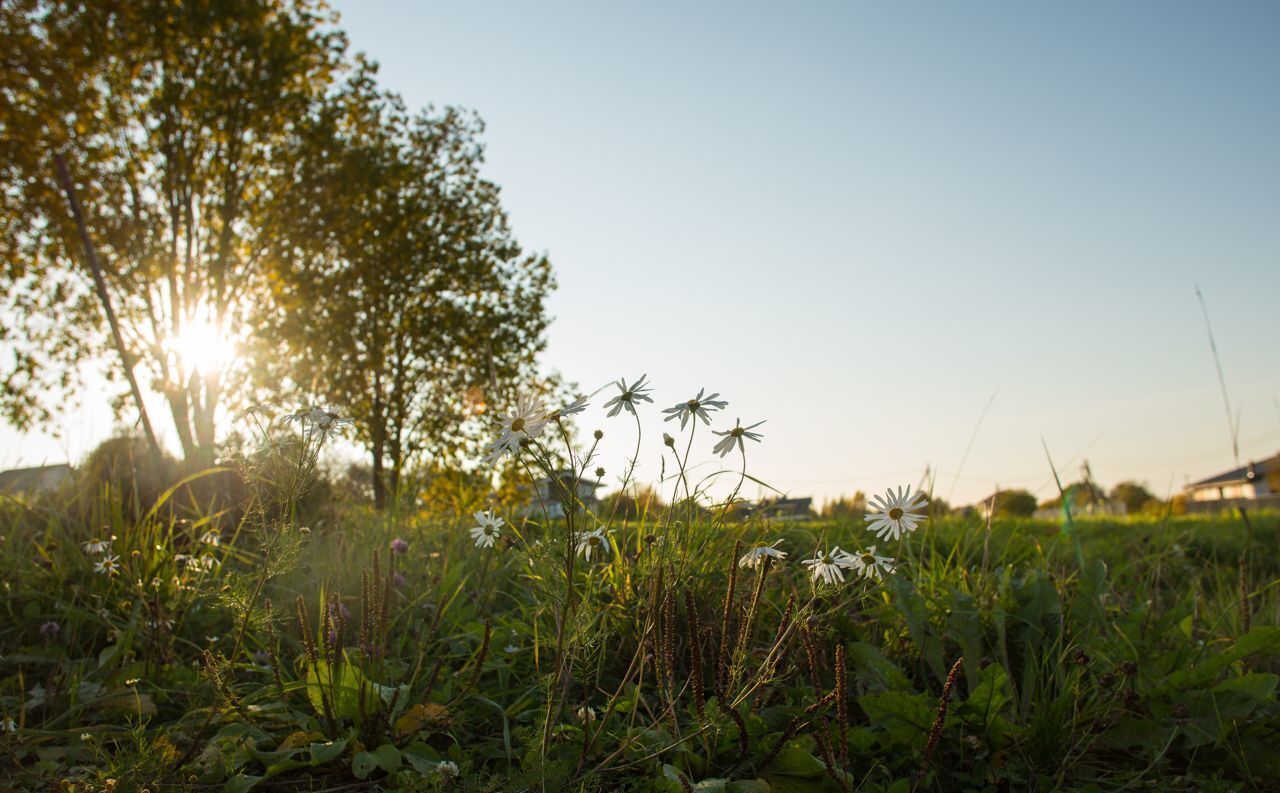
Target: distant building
point(1256, 484)
point(40, 479)
point(550, 494)
point(789, 509)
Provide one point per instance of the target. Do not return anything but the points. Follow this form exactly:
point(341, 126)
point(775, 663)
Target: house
point(550, 493)
point(41, 479)
point(787, 509)
point(1256, 484)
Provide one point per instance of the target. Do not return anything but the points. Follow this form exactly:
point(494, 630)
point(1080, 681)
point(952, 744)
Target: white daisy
point(593, 541)
point(576, 406)
point(327, 421)
point(629, 396)
point(755, 556)
point(108, 565)
point(897, 513)
point(523, 423)
point(698, 407)
point(829, 565)
point(487, 532)
point(96, 546)
point(872, 566)
point(735, 436)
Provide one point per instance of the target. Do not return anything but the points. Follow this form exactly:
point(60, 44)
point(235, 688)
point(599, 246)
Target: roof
point(1245, 473)
point(41, 477)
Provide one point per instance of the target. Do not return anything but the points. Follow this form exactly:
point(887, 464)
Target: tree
point(401, 294)
point(171, 118)
point(1133, 495)
point(1015, 503)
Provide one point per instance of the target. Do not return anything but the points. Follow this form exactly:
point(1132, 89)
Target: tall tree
point(402, 295)
point(170, 117)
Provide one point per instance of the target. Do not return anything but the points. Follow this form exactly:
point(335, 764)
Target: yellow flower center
point(693, 404)
point(593, 540)
point(895, 513)
point(517, 425)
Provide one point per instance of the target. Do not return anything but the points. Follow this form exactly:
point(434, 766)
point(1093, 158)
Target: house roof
point(40, 477)
point(1245, 473)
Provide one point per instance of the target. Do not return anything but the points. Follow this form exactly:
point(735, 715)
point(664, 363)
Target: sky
point(898, 232)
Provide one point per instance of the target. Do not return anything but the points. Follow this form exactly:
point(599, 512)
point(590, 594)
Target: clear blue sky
point(861, 220)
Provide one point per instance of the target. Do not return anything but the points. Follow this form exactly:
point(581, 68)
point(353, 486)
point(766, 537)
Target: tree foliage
point(171, 117)
point(399, 291)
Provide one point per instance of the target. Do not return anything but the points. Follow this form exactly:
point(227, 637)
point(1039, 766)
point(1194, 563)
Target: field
point(288, 639)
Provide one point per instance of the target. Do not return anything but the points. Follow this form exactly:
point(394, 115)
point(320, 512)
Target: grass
point(286, 657)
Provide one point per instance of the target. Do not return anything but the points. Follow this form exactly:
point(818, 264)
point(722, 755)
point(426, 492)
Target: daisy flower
point(829, 565)
point(108, 565)
point(735, 436)
point(523, 423)
point(593, 541)
point(487, 532)
point(698, 407)
point(576, 406)
point(631, 394)
point(756, 556)
point(96, 546)
point(872, 566)
point(897, 513)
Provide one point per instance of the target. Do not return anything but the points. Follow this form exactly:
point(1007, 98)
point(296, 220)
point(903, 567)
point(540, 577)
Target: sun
point(201, 348)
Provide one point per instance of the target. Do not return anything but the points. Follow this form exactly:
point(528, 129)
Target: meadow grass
point(269, 641)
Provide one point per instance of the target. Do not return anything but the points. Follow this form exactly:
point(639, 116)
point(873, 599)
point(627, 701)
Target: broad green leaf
point(363, 764)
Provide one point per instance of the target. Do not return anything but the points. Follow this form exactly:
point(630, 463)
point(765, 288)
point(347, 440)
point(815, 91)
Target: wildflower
point(399, 545)
point(897, 514)
point(576, 406)
point(753, 557)
point(327, 421)
point(447, 769)
point(600, 472)
point(592, 541)
point(205, 562)
point(872, 566)
point(629, 396)
point(696, 408)
point(50, 629)
point(829, 565)
point(211, 537)
point(8, 725)
point(735, 435)
point(667, 440)
point(108, 565)
point(524, 423)
point(86, 737)
point(262, 408)
point(486, 533)
point(96, 546)
point(398, 580)
point(586, 714)
point(511, 648)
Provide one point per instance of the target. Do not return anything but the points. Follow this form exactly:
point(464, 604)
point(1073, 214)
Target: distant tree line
point(228, 166)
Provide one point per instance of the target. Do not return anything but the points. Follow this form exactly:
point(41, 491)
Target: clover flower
point(735, 436)
point(629, 396)
point(524, 423)
point(829, 566)
point(696, 408)
point(447, 769)
point(486, 533)
point(756, 555)
point(50, 629)
point(869, 565)
point(896, 513)
point(592, 541)
point(399, 546)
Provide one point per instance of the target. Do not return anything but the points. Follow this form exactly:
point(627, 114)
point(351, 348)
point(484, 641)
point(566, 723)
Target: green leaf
point(387, 757)
point(904, 717)
point(871, 663)
point(363, 764)
point(322, 753)
point(748, 786)
point(1259, 641)
point(241, 783)
point(793, 760)
point(422, 757)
